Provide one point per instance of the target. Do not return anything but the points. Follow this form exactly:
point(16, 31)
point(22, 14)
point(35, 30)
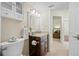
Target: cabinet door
point(6, 9)
point(19, 7)
point(19, 10)
point(7, 5)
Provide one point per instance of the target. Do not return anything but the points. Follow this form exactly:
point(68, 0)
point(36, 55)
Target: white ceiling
point(57, 5)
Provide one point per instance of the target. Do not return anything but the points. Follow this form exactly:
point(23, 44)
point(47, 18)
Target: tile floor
point(59, 49)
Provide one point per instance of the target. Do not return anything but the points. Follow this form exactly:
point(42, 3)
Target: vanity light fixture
point(37, 14)
point(34, 12)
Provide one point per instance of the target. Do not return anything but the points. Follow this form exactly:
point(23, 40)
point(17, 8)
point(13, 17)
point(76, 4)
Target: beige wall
point(10, 28)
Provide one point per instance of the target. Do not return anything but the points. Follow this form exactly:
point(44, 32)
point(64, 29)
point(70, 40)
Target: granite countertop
point(39, 34)
point(6, 42)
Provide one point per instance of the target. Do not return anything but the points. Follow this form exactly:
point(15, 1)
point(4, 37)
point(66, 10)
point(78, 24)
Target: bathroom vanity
point(38, 44)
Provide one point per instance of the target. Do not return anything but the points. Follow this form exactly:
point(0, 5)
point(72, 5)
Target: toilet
point(12, 48)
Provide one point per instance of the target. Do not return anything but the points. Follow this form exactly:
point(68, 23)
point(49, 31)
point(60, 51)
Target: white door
point(74, 29)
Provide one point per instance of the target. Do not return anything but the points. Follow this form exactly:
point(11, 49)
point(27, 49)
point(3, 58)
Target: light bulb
point(33, 11)
point(38, 15)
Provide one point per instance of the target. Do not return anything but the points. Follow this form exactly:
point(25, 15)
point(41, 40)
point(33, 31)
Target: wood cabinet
point(13, 10)
point(41, 48)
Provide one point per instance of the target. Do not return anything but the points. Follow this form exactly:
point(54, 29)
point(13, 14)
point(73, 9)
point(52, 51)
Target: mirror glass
point(33, 22)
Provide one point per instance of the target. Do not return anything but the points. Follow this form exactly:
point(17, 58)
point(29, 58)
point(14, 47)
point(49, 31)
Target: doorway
point(57, 20)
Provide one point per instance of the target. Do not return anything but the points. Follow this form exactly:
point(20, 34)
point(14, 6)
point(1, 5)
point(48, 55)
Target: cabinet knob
point(34, 42)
